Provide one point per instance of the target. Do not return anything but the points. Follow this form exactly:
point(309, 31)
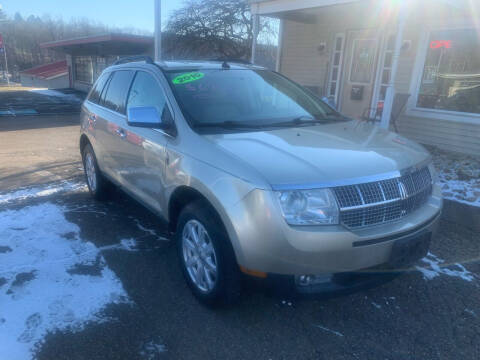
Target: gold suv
point(256, 175)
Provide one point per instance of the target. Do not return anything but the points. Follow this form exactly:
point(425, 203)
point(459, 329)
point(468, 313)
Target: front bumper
point(264, 242)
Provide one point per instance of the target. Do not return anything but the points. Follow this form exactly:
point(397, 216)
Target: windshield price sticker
point(188, 78)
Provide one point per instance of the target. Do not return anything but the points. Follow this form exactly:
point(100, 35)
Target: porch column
point(390, 94)
point(158, 30)
point(255, 30)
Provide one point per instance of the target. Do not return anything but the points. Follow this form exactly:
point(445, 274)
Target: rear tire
point(207, 259)
point(97, 184)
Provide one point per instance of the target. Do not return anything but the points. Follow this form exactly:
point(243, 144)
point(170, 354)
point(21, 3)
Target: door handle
point(92, 117)
point(121, 133)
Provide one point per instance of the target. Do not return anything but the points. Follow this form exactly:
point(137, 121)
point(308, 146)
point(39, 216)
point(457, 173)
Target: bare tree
point(214, 28)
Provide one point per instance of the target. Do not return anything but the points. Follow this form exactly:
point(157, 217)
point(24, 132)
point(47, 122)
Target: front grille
point(383, 201)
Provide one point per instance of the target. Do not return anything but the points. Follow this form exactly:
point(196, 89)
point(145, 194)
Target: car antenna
point(225, 65)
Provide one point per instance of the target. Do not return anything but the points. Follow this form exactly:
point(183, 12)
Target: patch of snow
point(329, 330)
point(40, 293)
point(378, 306)
point(471, 312)
point(458, 176)
point(59, 94)
point(149, 231)
point(436, 268)
point(151, 350)
point(41, 191)
point(129, 244)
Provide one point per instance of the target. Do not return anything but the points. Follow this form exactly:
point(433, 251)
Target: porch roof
point(278, 8)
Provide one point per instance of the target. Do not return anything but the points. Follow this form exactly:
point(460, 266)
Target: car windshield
point(246, 98)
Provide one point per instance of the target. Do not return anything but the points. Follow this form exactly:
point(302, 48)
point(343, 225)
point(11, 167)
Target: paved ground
point(430, 313)
point(31, 101)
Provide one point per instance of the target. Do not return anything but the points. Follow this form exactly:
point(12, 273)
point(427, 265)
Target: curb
point(463, 214)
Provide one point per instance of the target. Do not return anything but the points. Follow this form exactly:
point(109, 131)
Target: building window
point(451, 75)
point(335, 67)
point(363, 60)
point(100, 65)
point(84, 69)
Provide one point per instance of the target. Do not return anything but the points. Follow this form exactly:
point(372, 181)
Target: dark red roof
point(127, 38)
point(49, 70)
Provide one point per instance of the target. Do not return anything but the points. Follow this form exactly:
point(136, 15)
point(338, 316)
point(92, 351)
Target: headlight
point(309, 207)
point(433, 173)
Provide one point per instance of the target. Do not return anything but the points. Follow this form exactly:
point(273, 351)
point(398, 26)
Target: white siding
point(301, 60)
point(448, 135)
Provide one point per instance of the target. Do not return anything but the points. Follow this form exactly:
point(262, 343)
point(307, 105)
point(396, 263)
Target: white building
point(366, 53)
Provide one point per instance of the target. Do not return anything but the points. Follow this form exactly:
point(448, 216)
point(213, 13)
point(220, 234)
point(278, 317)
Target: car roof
point(181, 65)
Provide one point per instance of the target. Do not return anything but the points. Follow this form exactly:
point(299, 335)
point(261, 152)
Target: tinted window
point(97, 89)
point(117, 91)
point(146, 91)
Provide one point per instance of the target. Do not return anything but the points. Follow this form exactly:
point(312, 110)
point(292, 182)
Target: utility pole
point(4, 49)
point(158, 30)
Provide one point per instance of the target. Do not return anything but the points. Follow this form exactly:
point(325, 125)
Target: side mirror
point(145, 116)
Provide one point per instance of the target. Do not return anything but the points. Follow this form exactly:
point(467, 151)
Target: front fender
point(222, 190)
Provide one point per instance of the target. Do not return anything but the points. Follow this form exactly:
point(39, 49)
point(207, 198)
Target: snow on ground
point(437, 267)
point(329, 330)
point(151, 350)
point(50, 279)
point(41, 191)
point(458, 176)
point(59, 94)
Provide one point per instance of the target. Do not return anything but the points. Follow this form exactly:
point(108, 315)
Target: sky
point(115, 13)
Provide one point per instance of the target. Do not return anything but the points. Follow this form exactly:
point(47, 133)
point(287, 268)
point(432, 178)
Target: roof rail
point(226, 59)
point(128, 59)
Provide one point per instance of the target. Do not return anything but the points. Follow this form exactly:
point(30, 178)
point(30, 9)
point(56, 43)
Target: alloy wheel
point(199, 256)
point(90, 171)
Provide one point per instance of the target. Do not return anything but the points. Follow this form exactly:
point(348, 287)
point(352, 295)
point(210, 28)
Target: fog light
point(310, 280)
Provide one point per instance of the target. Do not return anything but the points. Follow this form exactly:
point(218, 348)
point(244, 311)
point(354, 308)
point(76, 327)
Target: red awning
point(48, 71)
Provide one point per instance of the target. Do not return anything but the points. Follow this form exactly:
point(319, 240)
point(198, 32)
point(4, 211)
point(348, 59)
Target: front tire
point(206, 256)
point(97, 184)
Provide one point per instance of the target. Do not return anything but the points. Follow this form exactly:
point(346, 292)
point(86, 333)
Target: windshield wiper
point(299, 121)
point(226, 125)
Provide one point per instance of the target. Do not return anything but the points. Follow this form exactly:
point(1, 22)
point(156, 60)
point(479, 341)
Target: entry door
point(359, 72)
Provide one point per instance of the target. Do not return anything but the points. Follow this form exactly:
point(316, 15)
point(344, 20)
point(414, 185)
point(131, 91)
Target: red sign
point(438, 44)
point(1, 41)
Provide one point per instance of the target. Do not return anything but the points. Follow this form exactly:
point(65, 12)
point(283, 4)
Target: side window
point(146, 91)
point(117, 91)
point(97, 89)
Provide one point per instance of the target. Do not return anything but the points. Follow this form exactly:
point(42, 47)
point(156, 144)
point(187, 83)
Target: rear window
point(97, 89)
point(117, 91)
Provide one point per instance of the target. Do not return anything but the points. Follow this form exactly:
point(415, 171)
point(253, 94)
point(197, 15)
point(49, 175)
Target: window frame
point(107, 82)
point(107, 86)
point(339, 80)
point(163, 84)
point(374, 64)
point(416, 82)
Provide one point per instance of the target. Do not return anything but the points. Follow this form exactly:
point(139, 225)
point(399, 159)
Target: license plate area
point(407, 251)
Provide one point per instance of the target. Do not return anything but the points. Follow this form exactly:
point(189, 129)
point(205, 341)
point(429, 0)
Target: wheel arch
point(84, 141)
point(181, 197)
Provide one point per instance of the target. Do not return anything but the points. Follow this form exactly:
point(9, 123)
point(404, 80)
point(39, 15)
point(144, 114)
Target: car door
point(90, 118)
point(111, 122)
point(143, 152)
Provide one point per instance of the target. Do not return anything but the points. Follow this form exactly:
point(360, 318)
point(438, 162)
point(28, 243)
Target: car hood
point(332, 153)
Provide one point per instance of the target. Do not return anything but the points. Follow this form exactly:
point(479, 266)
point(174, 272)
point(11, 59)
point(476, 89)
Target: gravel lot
point(87, 280)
